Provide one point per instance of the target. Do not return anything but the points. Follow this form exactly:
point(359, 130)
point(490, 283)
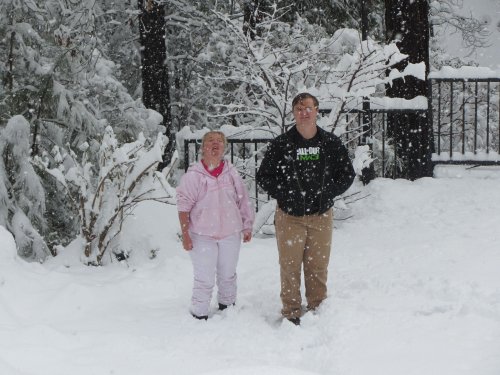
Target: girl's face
point(213, 146)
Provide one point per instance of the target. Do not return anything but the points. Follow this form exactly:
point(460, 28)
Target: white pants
point(211, 258)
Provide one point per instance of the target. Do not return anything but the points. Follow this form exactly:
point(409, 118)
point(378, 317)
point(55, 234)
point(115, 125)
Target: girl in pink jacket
point(215, 215)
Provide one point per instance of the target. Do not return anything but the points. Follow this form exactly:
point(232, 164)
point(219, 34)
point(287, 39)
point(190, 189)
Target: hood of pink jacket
point(219, 206)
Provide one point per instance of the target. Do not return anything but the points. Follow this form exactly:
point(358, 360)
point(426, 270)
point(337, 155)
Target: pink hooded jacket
point(219, 206)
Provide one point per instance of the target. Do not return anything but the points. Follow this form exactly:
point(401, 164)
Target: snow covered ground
point(414, 289)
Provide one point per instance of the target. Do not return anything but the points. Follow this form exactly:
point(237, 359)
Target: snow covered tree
point(407, 23)
point(57, 75)
point(333, 15)
point(212, 49)
point(155, 80)
point(22, 200)
point(253, 81)
point(254, 12)
point(189, 25)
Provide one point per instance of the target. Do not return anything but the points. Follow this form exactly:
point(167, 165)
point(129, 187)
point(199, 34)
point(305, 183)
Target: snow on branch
point(106, 193)
point(358, 77)
point(253, 80)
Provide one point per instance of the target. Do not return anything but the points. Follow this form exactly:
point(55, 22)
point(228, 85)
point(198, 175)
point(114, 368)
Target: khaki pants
point(303, 240)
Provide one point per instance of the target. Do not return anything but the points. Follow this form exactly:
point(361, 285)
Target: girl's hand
point(247, 236)
point(187, 244)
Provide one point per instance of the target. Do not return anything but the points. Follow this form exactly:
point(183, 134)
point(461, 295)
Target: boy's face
point(305, 113)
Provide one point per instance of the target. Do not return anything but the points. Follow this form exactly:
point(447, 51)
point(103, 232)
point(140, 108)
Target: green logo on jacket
point(308, 153)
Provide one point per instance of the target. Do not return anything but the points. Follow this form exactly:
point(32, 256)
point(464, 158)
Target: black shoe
point(295, 321)
point(203, 317)
point(223, 307)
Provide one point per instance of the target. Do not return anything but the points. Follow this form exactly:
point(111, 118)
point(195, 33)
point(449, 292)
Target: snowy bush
point(107, 192)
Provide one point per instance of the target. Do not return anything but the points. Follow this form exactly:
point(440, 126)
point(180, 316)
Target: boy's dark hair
point(302, 96)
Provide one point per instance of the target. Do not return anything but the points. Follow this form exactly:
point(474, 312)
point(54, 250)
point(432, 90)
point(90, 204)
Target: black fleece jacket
point(305, 176)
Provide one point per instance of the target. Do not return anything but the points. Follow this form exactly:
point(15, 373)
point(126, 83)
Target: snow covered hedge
point(105, 193)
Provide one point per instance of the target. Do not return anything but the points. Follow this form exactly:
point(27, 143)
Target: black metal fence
point(360, 127)
point(466, 121)
point(370, 127)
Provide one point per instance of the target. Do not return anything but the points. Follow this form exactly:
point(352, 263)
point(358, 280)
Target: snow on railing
point(465, 72)
point(491, 157)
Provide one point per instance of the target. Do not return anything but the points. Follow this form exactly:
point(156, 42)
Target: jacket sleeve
point(268, 175)
point(247, 211)
point(343, 172)
point(187, 192)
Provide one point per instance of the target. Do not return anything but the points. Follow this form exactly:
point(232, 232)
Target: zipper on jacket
point(302, 192)
point(296, 175)
point(323, 177)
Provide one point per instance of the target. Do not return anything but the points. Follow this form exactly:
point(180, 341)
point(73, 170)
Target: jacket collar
point(199, 168)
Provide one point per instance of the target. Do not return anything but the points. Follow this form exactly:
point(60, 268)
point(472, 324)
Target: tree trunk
point(252, 16)
point(364, 5)
point(407, 22)
point(368, 173)
point(155, 83)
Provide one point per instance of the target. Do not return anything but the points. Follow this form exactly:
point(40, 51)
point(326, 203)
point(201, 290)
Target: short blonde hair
point(205, 136)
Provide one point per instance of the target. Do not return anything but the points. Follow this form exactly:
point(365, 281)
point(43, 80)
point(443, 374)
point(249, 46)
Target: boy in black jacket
point(304, 170)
